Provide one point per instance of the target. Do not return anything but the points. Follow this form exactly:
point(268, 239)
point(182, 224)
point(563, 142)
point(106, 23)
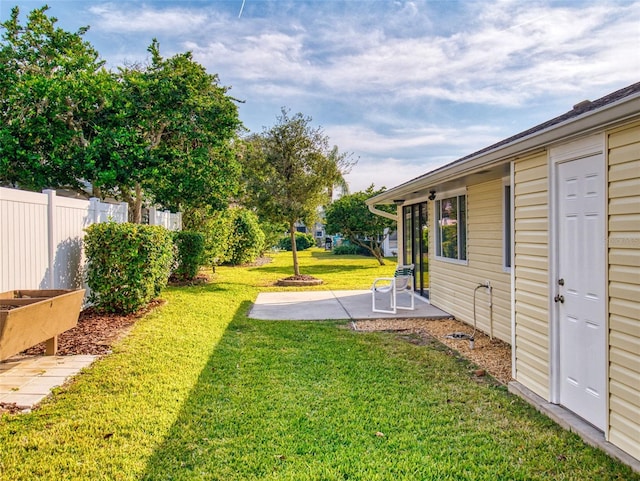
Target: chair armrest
point(390, 280)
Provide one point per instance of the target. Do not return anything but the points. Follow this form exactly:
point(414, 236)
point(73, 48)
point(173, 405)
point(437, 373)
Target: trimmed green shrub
point(216, 229)
point(189, 253)
point(128, 264)
point(346, 250)
point(303, 241)
point(246, 241)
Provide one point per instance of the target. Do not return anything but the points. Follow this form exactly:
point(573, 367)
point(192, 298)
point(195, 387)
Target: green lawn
point(198, 391)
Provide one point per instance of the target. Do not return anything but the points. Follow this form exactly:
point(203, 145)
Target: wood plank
point(19, 301)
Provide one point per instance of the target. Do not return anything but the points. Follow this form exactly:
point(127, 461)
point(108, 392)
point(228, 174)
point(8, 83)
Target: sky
point(403, 86)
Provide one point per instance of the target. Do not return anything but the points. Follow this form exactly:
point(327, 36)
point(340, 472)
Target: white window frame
point(438, 247)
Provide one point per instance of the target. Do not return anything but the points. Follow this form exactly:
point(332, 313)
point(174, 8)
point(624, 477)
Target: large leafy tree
point(188, 125)
point(350, 216)
point(163, 132)
point(52, 90)
point(290, 171)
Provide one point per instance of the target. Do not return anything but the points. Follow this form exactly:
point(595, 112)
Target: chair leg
point(411, 306)
point(392, 300)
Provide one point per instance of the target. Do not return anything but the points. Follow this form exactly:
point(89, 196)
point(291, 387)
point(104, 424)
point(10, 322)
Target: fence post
point(152, 216)
point(51, 219)
point(94, 204)
point(125, 212)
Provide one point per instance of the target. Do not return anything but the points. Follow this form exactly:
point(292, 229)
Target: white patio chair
point(401, 282)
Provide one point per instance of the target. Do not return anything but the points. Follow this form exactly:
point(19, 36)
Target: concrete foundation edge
point(571, 422)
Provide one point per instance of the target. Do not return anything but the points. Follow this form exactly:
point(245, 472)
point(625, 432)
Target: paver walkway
point(26, 380)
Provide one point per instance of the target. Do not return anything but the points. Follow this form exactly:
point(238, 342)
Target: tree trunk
point(137, 205)
point(294, 248)
point(377, 252)
point(373, 247)
point(96, 192)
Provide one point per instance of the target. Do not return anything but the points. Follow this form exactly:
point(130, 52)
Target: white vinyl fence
point(165, 218)
point(41, 238)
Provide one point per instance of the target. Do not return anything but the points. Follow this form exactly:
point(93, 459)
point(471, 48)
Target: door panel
point(581, 288)
point(416, 244)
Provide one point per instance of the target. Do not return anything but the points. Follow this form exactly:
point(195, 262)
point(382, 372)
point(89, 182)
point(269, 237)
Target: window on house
point(451, 232)
point(507, 227)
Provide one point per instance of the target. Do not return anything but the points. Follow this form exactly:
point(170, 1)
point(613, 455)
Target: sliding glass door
point(416, 244)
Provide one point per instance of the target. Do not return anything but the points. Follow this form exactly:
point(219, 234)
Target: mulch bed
point(492, 355)
point(95, 333)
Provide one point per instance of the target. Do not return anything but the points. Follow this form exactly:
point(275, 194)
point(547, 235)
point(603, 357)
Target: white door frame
point(585, 147)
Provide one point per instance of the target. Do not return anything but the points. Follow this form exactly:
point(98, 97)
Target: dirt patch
point(492, 355)
point(196, 281)
point(95, 333)
point(11, 408)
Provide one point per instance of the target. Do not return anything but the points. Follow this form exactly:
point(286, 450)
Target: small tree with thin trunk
point(350, 216)
point(289, 171)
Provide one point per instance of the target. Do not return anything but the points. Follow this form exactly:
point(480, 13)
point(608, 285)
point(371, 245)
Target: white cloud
point(365, 139)
point(387, 172)
point(121, 18)
point(396, 68)
point(509, 53)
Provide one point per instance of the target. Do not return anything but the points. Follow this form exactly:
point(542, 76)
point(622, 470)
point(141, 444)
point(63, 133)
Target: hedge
point(246, 241)
point(189, 252)
point(303, 241)
point(128, 264)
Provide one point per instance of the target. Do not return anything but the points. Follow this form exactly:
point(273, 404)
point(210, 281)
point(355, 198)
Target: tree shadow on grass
point(249, 416)
point(178, 455)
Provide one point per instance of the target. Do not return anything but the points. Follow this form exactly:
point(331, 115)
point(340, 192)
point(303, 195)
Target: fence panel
point(70, 218)
point(166, 219)
point(24, 239)
point(41, 238)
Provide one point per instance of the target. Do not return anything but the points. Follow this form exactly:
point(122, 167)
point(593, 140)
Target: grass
point(199, 392)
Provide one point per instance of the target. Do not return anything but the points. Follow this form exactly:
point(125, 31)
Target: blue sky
point(406, 86)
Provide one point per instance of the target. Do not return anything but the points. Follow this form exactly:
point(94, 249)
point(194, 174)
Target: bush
point(246, 241)
point(345, 250)
point(303, 241)
point(189, 253)
point(216, 229)
point(128, 264)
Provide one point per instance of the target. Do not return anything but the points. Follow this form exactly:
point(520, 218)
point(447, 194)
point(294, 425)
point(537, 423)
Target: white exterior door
point(581, 287)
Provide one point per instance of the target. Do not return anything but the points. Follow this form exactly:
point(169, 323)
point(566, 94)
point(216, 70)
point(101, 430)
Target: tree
point(187, 126)
point(167, 137)
point(289, 171)
point(165, 132)
point(350, 216)
point(52, 88)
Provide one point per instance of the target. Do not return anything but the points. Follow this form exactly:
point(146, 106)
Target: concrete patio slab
point(332, 305)
point(295, 306)
point(27, 380)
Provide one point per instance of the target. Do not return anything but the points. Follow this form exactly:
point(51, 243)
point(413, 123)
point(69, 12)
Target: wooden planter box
point(28, 318)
